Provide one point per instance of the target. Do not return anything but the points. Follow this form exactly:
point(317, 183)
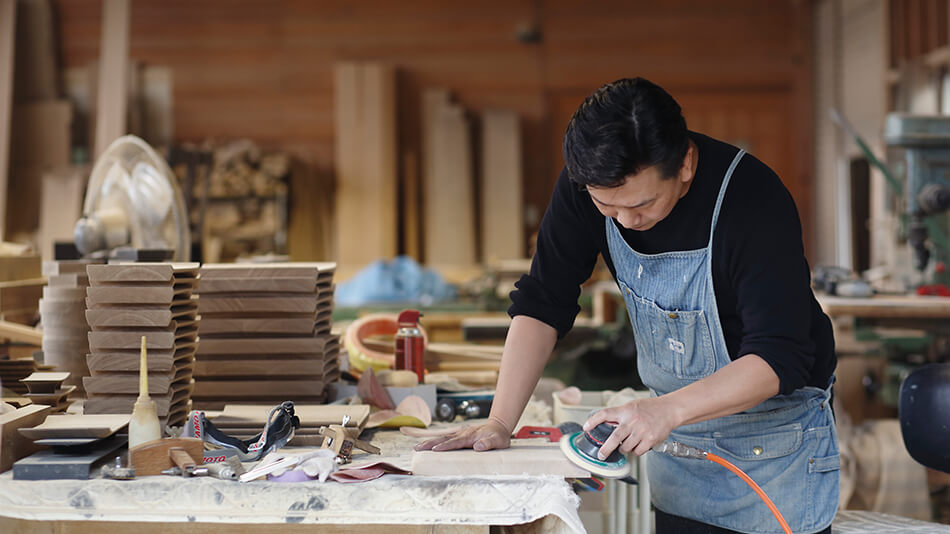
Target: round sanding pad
point(619, 469)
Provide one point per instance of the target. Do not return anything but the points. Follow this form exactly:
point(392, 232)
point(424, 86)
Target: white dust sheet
point(392, 499)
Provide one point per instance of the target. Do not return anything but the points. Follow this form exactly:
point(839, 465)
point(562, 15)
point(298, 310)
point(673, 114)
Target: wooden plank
point(126, 384)
point(519, 459)
point(264, 345)
point(7, 59)
point(158, 360)
point(256, 325)
point(256, 368)
point(112, 101)
point(502, 206)
point(77, 426)
point(265, 270)
point(61, 198)
point(21, 333)
point(299, 284)
point(449, 188)
point(142, 272)
point(211, 305)
point(252, 389)
point(123, 317)
point(366, 164)
point(129, 340)
point(140, 294)
point(13, 445)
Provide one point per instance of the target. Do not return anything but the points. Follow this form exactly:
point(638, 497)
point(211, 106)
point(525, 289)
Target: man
point(705, 244)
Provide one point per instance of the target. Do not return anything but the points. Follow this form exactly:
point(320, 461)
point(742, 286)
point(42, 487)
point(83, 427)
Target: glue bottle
point(410, 345)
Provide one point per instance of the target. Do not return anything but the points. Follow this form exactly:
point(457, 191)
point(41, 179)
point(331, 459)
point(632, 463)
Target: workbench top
point(401, 501)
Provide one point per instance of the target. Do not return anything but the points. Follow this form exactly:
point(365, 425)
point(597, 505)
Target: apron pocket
point(776, 443)
point(677, 342)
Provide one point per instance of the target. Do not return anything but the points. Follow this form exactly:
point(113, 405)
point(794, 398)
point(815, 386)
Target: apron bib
point(787, 444)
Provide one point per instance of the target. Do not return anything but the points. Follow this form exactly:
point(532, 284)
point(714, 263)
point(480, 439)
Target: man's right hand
point(485, 437)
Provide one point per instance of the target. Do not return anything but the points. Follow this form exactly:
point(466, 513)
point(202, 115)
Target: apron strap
point(722, 194)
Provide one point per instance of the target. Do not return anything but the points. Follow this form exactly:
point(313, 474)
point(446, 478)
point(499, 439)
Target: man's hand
point(641, 424)
point(491, 435)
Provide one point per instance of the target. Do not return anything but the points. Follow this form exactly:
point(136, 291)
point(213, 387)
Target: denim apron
point(787, 444)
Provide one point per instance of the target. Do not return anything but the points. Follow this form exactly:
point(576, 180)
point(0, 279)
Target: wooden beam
point(7, 36)
point(502, 205)
point(112, 97)
point(19, 332)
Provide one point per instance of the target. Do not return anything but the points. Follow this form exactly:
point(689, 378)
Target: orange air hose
point(755, 487)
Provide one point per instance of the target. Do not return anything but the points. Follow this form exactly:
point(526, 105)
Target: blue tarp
point(401, 280)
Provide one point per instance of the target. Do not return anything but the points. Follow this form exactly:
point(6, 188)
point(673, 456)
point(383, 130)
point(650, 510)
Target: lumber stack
point(125, 302)
point(13, 371)
point(265, 334)
point(63, 315)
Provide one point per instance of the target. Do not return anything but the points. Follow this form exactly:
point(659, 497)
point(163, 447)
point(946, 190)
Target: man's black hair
point(623, 128)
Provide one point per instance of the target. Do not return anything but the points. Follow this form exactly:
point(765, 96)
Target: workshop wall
point(263, 69)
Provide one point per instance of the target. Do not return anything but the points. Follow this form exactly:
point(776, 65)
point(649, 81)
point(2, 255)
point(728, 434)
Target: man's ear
point(686, 168)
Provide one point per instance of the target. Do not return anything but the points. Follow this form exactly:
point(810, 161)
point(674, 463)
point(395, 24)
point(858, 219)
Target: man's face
point(645, 198)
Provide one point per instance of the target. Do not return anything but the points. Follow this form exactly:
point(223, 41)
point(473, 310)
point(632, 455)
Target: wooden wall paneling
point(7, 41)
point(112, 89)
point(502, 206)
point(366, 165)
point(450, 239)
point(411, 215)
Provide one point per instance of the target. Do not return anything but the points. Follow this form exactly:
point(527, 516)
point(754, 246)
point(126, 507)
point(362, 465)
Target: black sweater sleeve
point(564, 259)
point(768, 274)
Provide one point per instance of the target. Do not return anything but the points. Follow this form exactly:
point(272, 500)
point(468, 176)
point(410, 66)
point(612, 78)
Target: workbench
point(392, 504)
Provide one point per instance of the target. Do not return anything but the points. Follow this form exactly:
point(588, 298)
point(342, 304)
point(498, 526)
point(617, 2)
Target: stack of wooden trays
point(125, 302)
point(62, 313)
point(13, 371)
point(47, 388)
point(265, 334)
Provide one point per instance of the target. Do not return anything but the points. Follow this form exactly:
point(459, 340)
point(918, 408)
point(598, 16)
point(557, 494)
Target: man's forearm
point(527, 348)
point(736, 387)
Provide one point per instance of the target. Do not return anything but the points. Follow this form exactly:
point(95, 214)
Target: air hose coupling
point(679, 450)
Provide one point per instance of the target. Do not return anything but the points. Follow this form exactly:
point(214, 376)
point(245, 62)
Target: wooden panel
point(501, 205)
point(251, 389)
point(448, 185)
point(7, 34)
point(209, 305)
point(300, 284)
point(519, 459)
point(111, 106)
point(366, 164)
point(259, 368)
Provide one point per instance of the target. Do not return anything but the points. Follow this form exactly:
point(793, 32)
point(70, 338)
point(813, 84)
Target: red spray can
point(410, 345)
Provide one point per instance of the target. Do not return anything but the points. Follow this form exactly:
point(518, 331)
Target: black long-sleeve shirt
point(760, 275)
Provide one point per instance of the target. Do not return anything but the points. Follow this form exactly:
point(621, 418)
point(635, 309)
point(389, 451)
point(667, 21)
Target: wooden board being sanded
point(520, 459)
